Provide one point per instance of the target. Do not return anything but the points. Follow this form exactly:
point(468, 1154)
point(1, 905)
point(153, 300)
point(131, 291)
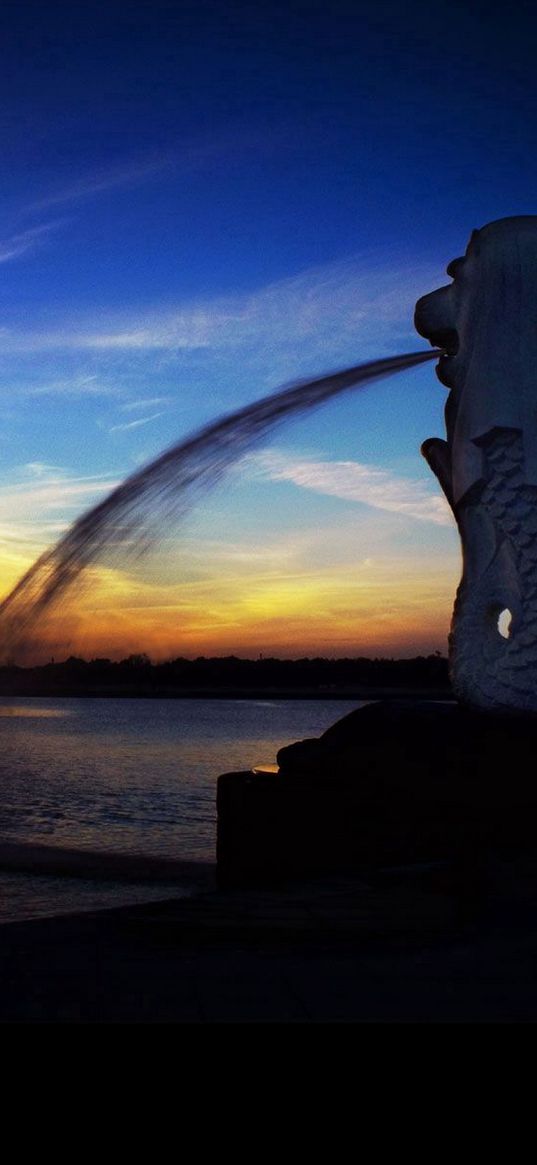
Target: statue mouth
point(447, 339)
point(433, 319)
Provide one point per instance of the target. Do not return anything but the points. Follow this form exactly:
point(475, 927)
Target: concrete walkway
point(417, 945)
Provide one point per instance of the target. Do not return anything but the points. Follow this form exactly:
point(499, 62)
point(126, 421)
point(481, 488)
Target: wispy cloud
point(41, 489)
point(43, 469)
point(185, 158)
point(36, 506)
point(354, 482)
point(19, 244)
point(134, 424)
point(81, 385)
point(358, 306)
point(131, 406)
point(122, 174)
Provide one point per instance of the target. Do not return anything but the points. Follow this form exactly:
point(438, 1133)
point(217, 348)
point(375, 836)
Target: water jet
point(163, 491)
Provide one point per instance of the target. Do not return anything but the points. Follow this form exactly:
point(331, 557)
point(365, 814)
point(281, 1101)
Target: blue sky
point(203, 201)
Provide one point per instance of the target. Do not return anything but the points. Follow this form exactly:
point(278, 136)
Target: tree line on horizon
point(137, 672)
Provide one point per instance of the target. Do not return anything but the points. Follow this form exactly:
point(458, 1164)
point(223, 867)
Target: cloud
point(37, 508)
point(122, 174)
point(16, 245)
point(354, 482)
point(187, 158)
point(41, 469)
point(346, 310)
point(148, 403)
point(134, 424)
point(45, 490)
point(81, 385)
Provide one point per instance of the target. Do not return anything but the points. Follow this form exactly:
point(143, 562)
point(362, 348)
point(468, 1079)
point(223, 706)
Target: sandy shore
point(422, 944)
point(33, 858)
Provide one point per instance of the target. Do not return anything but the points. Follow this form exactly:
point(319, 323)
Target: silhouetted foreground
point(310, 678)
point(394, 782)
point(418, 945)
point(436, 920)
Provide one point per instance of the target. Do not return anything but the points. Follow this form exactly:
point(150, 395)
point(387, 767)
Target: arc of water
point(167, 487)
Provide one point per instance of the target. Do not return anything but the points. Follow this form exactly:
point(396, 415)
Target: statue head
point(486, 323)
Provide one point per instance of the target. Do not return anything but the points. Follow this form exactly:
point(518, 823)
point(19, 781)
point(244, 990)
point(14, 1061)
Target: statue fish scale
point(486, 323)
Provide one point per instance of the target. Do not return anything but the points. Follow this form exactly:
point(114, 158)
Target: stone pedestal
point(394, 783)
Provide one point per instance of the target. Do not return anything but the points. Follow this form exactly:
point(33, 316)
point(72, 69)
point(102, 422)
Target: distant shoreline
point(231, 678)
point(237, 694)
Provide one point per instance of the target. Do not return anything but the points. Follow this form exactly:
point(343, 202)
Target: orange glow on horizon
point(391, 608)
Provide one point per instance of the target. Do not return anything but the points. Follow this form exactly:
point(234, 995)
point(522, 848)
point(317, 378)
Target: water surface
point(128, 777)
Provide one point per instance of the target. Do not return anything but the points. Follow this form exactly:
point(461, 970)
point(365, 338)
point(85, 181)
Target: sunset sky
point(200, 202)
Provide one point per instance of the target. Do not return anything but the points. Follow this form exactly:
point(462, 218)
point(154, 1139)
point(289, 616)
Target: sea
point(111, 802)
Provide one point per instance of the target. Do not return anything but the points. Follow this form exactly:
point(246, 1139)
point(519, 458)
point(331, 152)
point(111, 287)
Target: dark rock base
point(394, 783)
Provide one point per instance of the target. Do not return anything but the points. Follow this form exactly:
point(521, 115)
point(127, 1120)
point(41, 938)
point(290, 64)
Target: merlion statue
point(486, 323)
point(379, 790)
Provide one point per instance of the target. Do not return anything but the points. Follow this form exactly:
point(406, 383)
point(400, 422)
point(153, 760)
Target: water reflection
point(33, 712)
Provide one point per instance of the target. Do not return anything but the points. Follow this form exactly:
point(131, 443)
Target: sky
point(203, 201)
